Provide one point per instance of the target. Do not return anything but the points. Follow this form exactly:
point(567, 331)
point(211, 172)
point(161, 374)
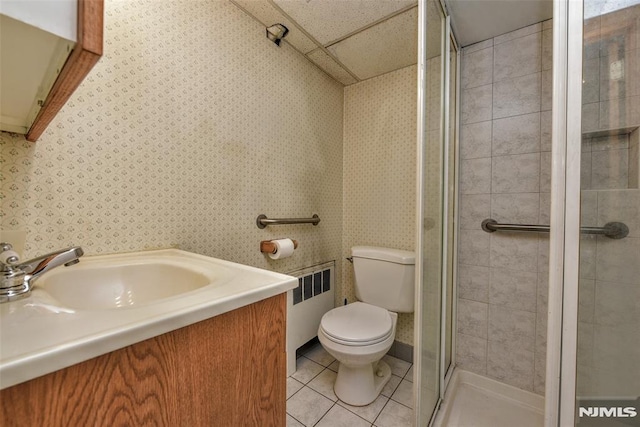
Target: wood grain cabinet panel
point(229, 370)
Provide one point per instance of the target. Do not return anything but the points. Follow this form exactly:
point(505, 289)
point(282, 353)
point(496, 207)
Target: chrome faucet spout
point(18, 277)
point(36, 267)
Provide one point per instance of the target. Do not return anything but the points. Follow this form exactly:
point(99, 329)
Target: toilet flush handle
point(350, 259)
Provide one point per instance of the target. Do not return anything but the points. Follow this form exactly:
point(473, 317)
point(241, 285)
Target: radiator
point(306, 305)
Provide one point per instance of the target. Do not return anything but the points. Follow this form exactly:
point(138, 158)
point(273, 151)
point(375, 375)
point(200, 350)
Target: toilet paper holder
point(268, 247)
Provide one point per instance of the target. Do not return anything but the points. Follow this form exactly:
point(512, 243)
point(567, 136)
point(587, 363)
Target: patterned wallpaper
point(380, 171)
point(191, 125)
point(181, 138)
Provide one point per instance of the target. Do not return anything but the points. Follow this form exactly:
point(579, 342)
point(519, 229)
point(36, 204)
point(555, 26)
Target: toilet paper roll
point(284, 248)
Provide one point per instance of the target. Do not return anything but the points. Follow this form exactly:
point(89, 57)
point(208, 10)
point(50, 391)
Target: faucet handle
point(7, 255)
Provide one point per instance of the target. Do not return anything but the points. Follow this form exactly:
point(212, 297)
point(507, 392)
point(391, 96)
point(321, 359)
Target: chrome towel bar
point(262, 221)
point(613, 230)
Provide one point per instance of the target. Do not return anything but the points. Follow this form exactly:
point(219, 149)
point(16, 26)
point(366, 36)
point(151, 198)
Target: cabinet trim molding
point(85, 55)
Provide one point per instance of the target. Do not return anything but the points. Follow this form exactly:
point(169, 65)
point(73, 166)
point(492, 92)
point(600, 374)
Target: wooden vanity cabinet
point(227, 371)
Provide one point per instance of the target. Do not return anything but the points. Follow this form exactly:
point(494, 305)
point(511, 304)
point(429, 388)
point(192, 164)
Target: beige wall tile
point(477, 68)
point(511, 364)
point(513, 289)
point(474, 208)
point(547, 48)
point(473, 283)
point(516, 208)
point(471, 353)
point(518, 173)
point(472, 318)
point(512, 326)
point(516, 135)
point(520, 135)
point(520, 95)
point(475, 176)
point(476, 104)
point(517, 57)
point(473, 248)
point(475, 140)
point(514, 251)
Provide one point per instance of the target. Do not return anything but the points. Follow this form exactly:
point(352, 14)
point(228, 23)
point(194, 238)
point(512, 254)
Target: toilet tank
point(384, 277)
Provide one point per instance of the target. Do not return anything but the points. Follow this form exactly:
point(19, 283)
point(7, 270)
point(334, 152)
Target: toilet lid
point(357, 323)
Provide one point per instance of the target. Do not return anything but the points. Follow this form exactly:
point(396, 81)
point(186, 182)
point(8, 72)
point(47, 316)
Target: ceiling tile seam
point(373, 24)
point(313, 39)
point(289, 44)
point(385, 73)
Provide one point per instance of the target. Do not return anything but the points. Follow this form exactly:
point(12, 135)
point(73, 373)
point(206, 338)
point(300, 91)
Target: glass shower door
point(608, 342)
point(451, 162)
point(431, 133)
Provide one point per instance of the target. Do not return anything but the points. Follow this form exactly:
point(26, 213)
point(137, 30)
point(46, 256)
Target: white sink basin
point(108, 302)
point(97, 287)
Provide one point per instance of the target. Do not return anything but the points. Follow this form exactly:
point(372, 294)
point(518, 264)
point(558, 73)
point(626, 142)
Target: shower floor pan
point(476, 401)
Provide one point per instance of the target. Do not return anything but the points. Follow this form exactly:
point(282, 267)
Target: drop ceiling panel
point(388, 46)
point(268, 15)
point(330, 20)
point(331, 67)
point(477, 20)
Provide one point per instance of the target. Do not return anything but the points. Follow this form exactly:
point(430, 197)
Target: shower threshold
point(472, 400)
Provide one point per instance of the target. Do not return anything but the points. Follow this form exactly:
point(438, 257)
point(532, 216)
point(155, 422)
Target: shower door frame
point(446, 372)
point(448, 41)
point(564, 254)
point(420, 190)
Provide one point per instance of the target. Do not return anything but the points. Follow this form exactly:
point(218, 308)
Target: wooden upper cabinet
point(43, 62)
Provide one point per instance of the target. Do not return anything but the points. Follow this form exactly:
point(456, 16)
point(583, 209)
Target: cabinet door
point(229, 370)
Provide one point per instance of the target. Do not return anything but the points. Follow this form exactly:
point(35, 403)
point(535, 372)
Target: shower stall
point(536, 134)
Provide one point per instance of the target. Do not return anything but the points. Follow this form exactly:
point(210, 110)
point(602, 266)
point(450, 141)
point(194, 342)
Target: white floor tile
point(311, 398)
point(308, 406)
point(398, 367)
point(292, 422)
point(404, 394)
point(409, 376)
point(293, 386)
point(369, 412)
point(306, 370)
point(318, 354)
point(391, 385)
point(395, 415)
point(323, 384)
point(340, 417)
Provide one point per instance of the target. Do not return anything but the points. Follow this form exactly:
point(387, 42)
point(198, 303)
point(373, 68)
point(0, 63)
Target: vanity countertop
point(40, 335)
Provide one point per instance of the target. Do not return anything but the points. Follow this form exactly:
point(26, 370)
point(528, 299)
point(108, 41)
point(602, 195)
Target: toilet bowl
point(358, 335)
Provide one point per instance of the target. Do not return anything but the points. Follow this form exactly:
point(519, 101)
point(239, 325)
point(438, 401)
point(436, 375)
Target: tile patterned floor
point(312, 402)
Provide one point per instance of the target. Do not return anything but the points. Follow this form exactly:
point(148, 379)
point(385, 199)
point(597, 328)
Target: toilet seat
point(357, 324)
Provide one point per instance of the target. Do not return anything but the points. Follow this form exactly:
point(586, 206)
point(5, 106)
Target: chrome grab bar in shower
point(262, 221)
point(613, 230)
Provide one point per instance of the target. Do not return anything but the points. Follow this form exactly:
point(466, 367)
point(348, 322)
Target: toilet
point(357, 335)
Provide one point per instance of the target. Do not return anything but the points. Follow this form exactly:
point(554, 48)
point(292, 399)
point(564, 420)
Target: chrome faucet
point(17, 277)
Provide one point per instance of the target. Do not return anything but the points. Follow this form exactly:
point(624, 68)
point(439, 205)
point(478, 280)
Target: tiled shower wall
point(609, 287)
point(505, 168)
point(189, 127)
